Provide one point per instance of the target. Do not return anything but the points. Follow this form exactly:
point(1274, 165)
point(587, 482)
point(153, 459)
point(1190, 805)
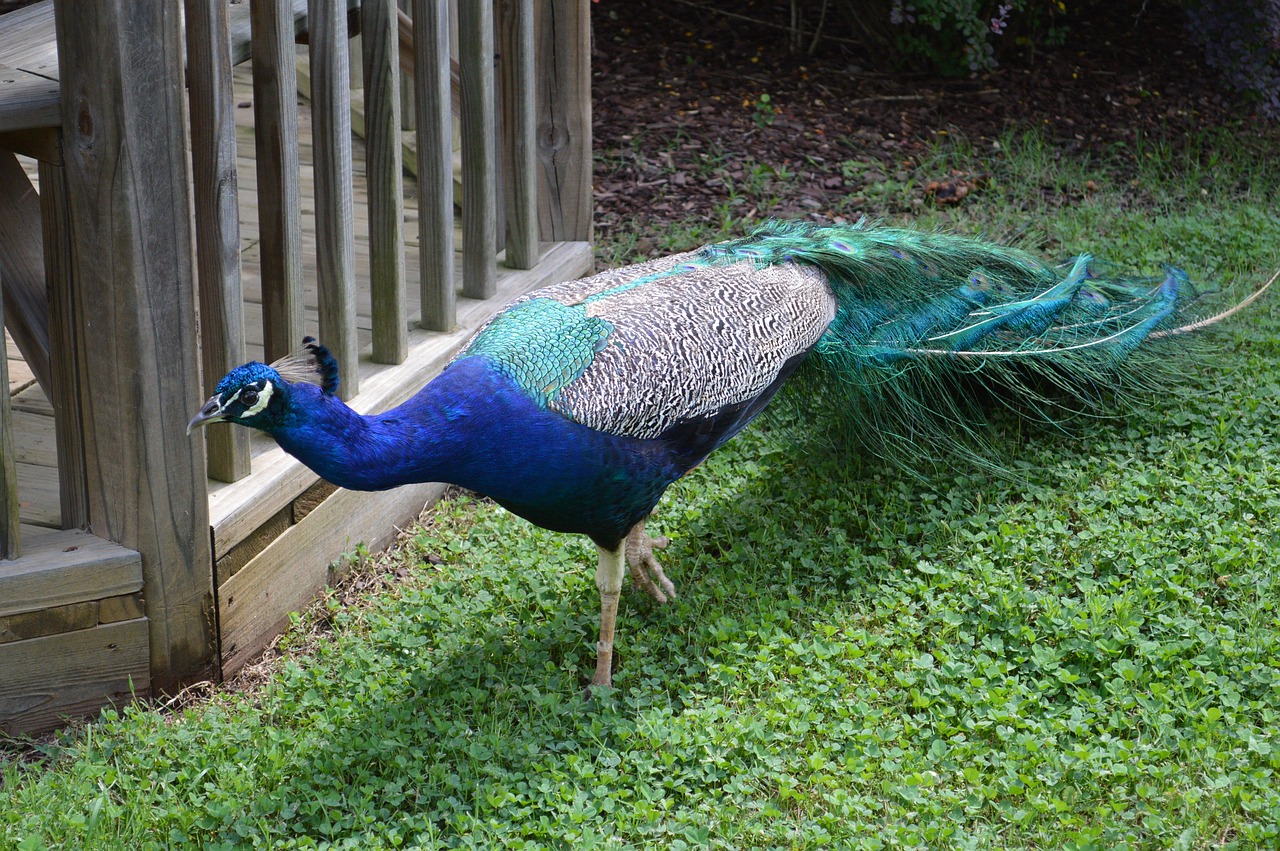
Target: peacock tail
point(913, 333)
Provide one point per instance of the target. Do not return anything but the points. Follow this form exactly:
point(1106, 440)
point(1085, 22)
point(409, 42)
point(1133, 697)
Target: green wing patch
point(542, 345)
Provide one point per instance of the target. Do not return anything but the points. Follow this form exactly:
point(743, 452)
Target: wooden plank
point(331, 149)
point(123, 122)
point(38, 495)
point(215, 190)
point(66, 349)
point(44, 681)
point(563, 33)
point(33, 439)
point(275, 116)
point(435, 164)
point(237, 510)
point(240, 27)
point(49, 621)
point(10, 531)
point(254, 605)
point(26, 304)
point(27, 39)
point(383, 174)
point(60, 568)
point(479, 167)
point(520, 119)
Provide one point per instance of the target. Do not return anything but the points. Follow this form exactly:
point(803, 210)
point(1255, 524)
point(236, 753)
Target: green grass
point(1086, 657)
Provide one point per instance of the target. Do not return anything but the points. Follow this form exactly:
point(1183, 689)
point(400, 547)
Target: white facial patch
point(264, 398)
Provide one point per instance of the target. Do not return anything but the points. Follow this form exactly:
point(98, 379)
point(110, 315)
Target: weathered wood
point(254, 605)
point(66, 348)
point(77, 673)
point(331, 150)
point(435, 163)
point(311, 499)
point(479, 170)
point(10, 531)
point(242, 553)
point(60, 568)
point(385, 182)
point(407, 114)
point(123, 122)
point(26, 304)
point(241, 30)
point(563, 30)
point(39, 143)
point(216, 194)
point(125, 607)
point(275, 116)
point(520, 122)
point(49, 621)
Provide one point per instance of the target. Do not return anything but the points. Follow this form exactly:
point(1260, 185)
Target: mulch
point(679, 92)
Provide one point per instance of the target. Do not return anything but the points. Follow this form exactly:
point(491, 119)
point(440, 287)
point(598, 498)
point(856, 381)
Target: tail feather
point(932, 326)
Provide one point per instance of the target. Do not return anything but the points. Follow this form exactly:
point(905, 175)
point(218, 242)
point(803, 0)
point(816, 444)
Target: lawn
point(1082, 655)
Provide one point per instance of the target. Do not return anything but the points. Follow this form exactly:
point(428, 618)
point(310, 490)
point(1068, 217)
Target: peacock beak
point(210, 413)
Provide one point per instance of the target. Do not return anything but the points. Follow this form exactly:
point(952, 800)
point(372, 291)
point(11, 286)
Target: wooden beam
point(216, 193)
point(435, 163)
point(123, 120)
point(386, 185)
point(60, 568)
point(22, 268)
point(564, 119)
point(331, 151)
point(275, 135)
point(479, 167)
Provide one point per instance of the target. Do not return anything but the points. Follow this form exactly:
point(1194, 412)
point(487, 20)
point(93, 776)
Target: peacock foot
point(646, 572)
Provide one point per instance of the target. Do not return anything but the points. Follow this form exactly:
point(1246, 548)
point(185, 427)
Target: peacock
point(578, 404)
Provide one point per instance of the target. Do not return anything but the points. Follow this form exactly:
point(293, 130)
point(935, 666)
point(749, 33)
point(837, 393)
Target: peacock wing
point(637, 350)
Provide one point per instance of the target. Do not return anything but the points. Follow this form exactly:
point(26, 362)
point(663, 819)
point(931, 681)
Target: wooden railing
point(494, 129)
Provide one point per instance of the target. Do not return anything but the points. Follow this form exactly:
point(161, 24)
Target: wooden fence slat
point(479, 173)
point(564, 119)
point(331, 148)
point(9, 531)
point(275, 132)
point(379, 33)
point(123, 122)
point(66, 348)
point(520, 121)
point(217, 213)
point(435, 163)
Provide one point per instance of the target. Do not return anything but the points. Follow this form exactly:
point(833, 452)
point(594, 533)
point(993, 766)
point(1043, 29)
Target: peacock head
point(257, 395)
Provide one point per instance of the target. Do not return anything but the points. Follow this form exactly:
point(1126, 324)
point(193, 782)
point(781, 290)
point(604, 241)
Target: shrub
point(1241, 39)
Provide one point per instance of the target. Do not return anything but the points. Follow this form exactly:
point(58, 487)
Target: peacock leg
point(609, 581)
point(645, 570)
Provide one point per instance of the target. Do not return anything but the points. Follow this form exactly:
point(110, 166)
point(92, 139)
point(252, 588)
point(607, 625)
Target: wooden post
point(331, 149)
point(124, 130)
point(435, 162)
point(214, 183)
point(275, 135)
point(479, 172)
point(520, 116)
point(564, 119)
point(8, 467)
point(379, 33)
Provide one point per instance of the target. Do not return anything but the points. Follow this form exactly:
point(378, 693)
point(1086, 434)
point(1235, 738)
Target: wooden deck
point(248, 511)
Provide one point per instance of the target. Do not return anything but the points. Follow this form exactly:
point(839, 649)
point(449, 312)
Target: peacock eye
point(249, 397)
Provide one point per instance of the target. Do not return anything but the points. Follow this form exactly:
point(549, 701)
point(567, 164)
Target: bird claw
point(646, 572)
